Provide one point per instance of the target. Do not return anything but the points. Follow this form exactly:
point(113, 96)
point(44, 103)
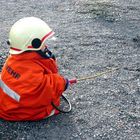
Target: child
point(29, 81)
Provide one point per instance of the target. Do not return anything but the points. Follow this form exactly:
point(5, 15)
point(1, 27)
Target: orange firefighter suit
point(28, 85)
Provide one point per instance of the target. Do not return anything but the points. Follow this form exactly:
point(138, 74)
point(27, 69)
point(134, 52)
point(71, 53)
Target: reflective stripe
point(15, 49)
point(9, 91)
point(47, 35)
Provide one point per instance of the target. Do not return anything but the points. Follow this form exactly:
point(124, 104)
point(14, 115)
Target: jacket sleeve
point(56, 82)
point(52, 81)
point(51, 87)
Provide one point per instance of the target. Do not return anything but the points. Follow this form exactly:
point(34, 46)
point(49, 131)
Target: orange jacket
point(28, 85)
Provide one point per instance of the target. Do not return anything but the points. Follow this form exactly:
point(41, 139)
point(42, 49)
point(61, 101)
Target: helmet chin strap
point(46, 53)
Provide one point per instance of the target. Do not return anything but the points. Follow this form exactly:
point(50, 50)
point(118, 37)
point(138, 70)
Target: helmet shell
point(24, 31)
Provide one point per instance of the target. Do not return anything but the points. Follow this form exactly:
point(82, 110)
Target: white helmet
point(28, 33)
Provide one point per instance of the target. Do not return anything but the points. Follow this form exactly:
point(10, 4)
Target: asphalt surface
point(92, 35)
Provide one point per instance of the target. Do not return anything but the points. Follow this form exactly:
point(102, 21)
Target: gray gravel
point(91, 36)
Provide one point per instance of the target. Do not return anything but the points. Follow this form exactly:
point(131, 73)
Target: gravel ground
point(91, 36)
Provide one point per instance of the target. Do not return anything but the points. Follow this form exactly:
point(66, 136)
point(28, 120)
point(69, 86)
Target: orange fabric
point(38, 83)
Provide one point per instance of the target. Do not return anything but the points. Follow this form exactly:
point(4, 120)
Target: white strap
point(9, 91)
